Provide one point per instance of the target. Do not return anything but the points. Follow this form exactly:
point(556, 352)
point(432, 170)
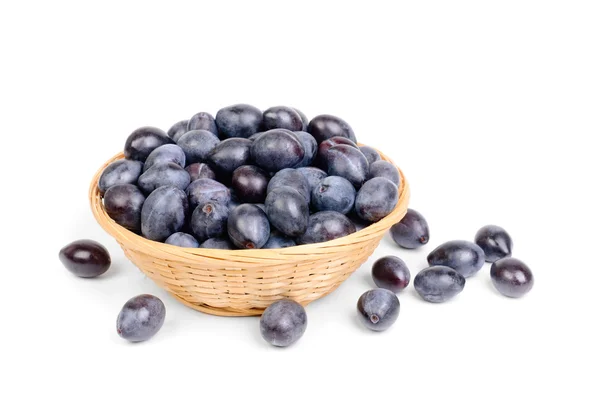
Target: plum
point(310, 148)
point(287, 211)
point(278, 240)
point(178, 129)
point(229, 155)
point(391, 273)
point(143, 141)
point(281, 117)
point(333, 193)
point(250, 184)
point(203, 121)
point(370, 153)
point(164, 213)
point(348, 162)
point(511, 277)
point(378, 309)
point(123, 203)
point(313, 176)
point(283, 323)
point(290, 178)
point(163, 174)
point(200, 170)
point(248, 227)
point(165, 154)
point(217, 243)
point(141, 318)
point(326, 226)
point(277, 149)
point(183, 240)
point(321, 157)
point(412, 231)
point(495, 242)
point(120, 172)
point(376, 199)
point(438, 283)
point(326, 126)
point(383, 168)
point(465, 257)
point(240, 120)
point(197, 145)
point(205, 190)
point(209, 220)
point(85, 258)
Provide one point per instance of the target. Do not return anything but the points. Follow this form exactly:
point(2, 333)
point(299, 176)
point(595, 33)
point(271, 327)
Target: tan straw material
point(244, 282)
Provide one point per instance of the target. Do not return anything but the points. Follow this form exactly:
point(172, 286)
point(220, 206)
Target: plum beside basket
point(245, 282)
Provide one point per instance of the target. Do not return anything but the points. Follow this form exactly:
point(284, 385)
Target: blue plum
point(277, 149)
point(313, 176)
point(218, 243)
point(202, 121)
point(370, 153)
point(143, 141)
point(200, 170)
point(511, 277)
point(141, 318)
point(278, 240)
point(250, 184)
point(123, 203)
point(385, 169)
point(495, 242)
point(310, 148)
point(248, 227)
point(120, 172)
point(465, 257)
point(178, 129)
point(287, 211)
point(165, 154)
point(197, 145)
point(163, 174)
point(205, 190)
point(348, 162)
point(290, 178)
point(281, 117)
point(391, 273)
point(183, 240)
point(334, 193)
point(85, 258)
point(412, 231)
point(376, 199)
point(164, 213)
point(326, 226)
point(283, 323)
point(438, 283)
point(209, 220)
point(326, 126)
point(240, 120)
point(378, 309)
point(229, 155)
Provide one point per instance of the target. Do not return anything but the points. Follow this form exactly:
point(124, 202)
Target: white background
point(490, 108)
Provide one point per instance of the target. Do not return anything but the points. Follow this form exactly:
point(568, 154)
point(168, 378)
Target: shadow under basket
point(245, 282)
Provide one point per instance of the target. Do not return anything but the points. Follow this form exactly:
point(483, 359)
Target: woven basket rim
point(133, 240)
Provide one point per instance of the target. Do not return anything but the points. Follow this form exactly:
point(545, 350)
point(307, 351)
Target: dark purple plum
point(178, 129)
point(169, 153)
point(197, 145)
point(240, 120)
point(326, 126)
point(384, 169)
point(288, 211)
point(333, 193)
point(412, 231)
point(321, 158)
point(163, 174)
point(209, 220)
point(391, 273)
point(123, 203)
point(200, 170)
point(378, 309)
point(120, 172)
point(511, 277)
point(370, 153)
point(465, 257)
point(376, 199)
point(248, 227)
point(304, 119)
point(229, 155)
point(218, 243)
point(348, 162)
point(250, 184)
point(205, 190)
point(277, 149)
point(141, 318)
point(278, 240)
point(438, 283)
point(290, 178)
point(85, 258)
point(283, 323)
point(183, 240)
point(310, 148)
point(313, 175)
point(495, 242)
point(326, 226)
point(203, 121)
point(143, 141)
point(164, 213)
point(281, 117)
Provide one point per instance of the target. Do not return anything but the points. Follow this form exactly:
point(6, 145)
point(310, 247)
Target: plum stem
point(374, 319)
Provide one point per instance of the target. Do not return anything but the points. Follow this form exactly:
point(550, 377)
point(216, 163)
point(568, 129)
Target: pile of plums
point(248, 179)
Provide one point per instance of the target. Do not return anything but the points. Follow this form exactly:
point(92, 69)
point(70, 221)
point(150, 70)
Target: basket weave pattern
point(245, 282)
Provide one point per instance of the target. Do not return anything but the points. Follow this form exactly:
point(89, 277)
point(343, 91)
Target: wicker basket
point(245, 282)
